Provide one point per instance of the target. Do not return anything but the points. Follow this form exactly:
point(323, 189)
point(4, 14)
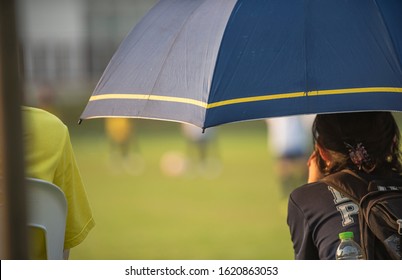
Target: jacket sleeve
point(301, 233)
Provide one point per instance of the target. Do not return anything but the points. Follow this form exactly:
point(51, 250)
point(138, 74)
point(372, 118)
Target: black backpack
point(380, 212)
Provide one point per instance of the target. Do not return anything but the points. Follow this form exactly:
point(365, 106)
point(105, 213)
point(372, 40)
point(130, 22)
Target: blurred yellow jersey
point(119, 129)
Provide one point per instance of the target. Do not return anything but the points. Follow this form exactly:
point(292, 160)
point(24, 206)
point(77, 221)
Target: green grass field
point(237, 215)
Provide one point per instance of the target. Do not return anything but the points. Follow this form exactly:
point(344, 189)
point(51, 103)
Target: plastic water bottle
point(348, 249)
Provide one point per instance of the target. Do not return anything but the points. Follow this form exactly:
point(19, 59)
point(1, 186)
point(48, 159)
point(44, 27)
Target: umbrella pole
point(13, 233)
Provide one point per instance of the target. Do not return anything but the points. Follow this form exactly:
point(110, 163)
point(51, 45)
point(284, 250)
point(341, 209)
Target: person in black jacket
point(366, 143)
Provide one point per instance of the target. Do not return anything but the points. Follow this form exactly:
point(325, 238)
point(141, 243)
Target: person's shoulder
point(43, 117)
point(308, 191)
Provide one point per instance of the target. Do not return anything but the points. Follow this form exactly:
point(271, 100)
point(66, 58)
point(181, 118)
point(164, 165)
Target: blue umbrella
point(209, 62)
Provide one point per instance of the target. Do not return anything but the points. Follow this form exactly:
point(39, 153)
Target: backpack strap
point(361, 191)
point(348, 183)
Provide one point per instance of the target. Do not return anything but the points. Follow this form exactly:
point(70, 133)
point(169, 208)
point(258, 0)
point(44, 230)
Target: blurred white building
point(69, 42)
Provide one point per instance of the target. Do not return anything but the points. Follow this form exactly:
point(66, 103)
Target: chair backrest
point(47, 210)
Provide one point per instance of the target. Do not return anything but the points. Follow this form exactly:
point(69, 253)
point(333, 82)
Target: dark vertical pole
point(12, 189)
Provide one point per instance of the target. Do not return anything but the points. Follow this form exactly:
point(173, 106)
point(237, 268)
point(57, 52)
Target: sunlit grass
point(236, 215)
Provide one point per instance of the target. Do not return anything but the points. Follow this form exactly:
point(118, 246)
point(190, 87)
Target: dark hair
point(377, 132)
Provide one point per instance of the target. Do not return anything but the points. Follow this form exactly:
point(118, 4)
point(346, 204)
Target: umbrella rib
point(392, 42)
point(177, 35)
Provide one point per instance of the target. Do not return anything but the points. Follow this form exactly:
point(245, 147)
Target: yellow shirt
point(49, 156)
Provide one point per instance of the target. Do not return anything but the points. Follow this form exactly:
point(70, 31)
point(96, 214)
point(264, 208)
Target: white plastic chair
point(47, 210)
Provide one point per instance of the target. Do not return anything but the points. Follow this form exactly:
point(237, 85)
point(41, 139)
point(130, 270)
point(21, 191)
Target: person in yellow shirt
point(121, 135)
point(49, 156)
point(119, 131)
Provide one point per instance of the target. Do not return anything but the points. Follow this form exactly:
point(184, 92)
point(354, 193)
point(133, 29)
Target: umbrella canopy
point(209, 62)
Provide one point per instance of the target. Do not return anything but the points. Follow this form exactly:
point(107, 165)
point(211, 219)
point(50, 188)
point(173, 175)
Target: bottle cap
point(346, 234)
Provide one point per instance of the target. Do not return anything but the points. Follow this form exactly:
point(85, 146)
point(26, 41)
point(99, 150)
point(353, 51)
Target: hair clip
point(360, 157)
